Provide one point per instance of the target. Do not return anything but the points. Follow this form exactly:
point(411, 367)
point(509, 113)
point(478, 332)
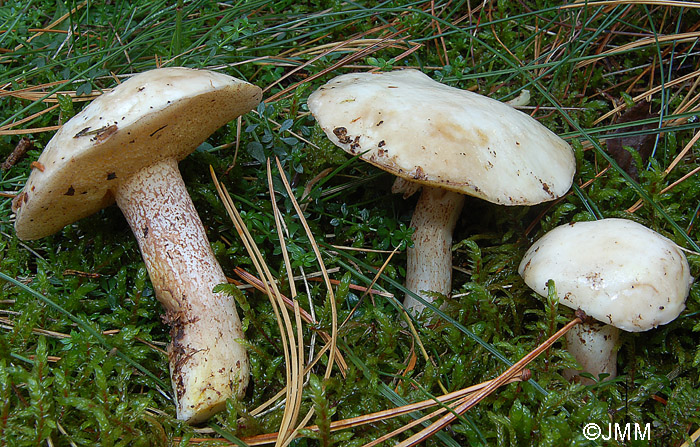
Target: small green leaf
point(84, 89)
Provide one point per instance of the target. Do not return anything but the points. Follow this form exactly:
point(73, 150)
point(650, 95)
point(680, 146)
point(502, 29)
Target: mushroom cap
point(617, 271)
point(416, 128)
point(155, 115)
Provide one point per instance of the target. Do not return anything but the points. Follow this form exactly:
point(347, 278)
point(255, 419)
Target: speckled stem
point(430, 259)
point(207, 364)
point(594, 346)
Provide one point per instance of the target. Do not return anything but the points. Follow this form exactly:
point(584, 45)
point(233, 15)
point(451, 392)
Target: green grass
point(81, 343)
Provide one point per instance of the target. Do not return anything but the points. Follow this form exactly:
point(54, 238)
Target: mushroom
point(618, 272)
point(449, 141)
point(125, 147)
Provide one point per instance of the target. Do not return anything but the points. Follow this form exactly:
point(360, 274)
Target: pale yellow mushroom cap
point(416, 128)
point(155, 115)
point(617, 271)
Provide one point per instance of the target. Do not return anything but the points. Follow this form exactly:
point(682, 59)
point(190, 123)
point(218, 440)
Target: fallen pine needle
point(464, 405)
point(694, 437)
point(257, 283)
point(383, 415)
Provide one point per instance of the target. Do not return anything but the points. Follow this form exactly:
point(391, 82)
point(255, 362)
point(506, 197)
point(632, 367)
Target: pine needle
point(675, 38)
point(648, 93)
point(675, 162)
point(676, 4)
point(306, 316)
point(296, 386)
point(271, 290)
point(326, 278)
point(468, 402)
point(384, 415)
point(694, 437)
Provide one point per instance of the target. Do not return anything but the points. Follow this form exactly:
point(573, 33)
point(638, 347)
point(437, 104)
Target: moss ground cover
point(82, 344)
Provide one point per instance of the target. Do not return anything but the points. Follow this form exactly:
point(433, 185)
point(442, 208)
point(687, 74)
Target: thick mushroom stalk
point(429, 266)
point(594, 346)
point(439, 136)
point(207, 363)
point(125, 145)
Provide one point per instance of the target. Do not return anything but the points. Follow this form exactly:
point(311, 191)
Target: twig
point(17, 153)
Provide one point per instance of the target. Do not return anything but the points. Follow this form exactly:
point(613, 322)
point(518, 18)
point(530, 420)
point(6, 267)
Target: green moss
point(77, 385)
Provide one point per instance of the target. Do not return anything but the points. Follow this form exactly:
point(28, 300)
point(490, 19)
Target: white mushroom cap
point(125, 147)
point(421, 130)
point(153, 116)
point(617, 271)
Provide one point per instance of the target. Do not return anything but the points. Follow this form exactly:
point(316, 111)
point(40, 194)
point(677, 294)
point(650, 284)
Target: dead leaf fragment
point(643, 144)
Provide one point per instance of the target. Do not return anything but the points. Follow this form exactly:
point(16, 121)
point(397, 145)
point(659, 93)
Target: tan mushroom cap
point(156, 115)
point(424, 131)
point(617, 271)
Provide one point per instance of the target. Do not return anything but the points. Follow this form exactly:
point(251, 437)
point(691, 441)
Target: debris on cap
point(618, 271)
point(424, 131)
point(156, 115)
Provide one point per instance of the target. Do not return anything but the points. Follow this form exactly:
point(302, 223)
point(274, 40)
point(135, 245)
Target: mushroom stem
point(207, 364)
point(594, 346)
point(429, 265)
